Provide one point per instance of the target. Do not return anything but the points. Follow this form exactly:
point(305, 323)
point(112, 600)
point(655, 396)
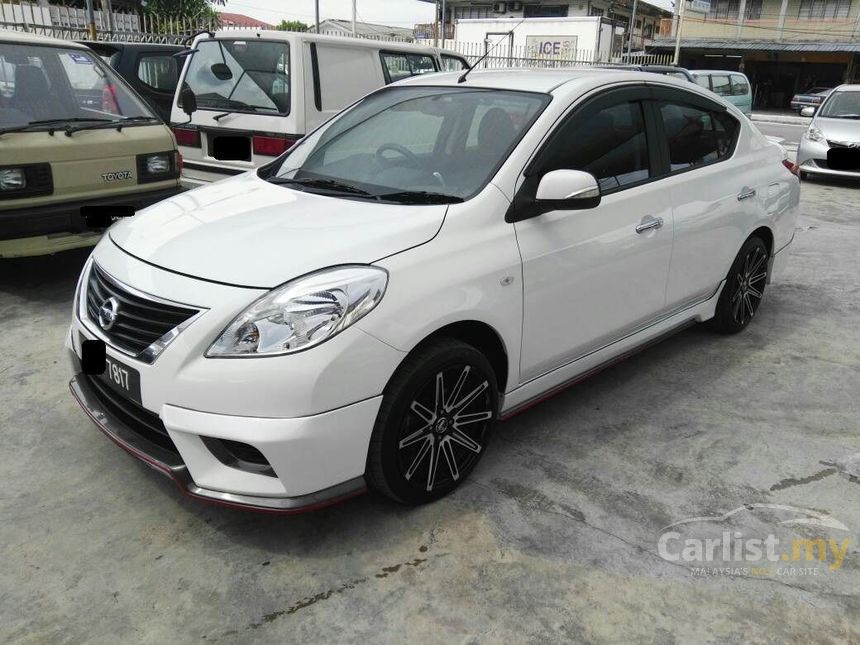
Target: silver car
point(831, 145)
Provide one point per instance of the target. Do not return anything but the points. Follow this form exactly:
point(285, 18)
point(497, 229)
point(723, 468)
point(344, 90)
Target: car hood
point(847, 130)
point(245, 231)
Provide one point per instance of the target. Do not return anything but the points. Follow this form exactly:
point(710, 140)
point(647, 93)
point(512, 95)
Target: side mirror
point(568, 189)
point(557, 190)
point(189, 101)
point(807, 111)
point(221, 71)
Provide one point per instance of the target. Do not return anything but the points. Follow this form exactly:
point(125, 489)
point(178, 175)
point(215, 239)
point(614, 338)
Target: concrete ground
point(554, 537)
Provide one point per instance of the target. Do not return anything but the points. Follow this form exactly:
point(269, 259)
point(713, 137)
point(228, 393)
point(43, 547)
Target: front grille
point(139, 420)
point(139, 321)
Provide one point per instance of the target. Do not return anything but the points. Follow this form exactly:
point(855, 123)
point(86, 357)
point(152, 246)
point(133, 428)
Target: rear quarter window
point(158, 71)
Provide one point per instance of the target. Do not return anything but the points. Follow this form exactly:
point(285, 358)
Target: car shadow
point(46, 278)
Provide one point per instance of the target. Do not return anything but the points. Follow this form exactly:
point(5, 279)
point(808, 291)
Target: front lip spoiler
point(172, 466)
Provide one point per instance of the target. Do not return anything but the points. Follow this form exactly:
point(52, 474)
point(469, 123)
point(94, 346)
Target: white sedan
point(438, 257)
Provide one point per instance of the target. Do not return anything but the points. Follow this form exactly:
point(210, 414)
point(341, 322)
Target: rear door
point(592, 276)
point(715, 191)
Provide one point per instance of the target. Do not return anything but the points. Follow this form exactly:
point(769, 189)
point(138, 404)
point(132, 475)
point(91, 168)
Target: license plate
point(120, 377)
point(843, 158)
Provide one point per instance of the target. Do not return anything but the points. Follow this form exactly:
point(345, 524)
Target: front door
point(596, 275)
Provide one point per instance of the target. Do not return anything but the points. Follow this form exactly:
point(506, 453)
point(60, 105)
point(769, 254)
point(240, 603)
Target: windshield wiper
point(420, 197)
point(325, 184)
point(844, 116)
point(33, 124)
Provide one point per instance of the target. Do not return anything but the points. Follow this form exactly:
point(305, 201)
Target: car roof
point(702, 72)
point(123, 45)
point(848, 87)
point(25, 38)
point(305, 36)
point(565, 83)
point(522, 79)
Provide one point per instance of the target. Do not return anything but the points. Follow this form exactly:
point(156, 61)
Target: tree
point(192, 9)
point(292, 25)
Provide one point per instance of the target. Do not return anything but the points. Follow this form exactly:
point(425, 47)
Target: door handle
point(648, 224)
point(746, 194)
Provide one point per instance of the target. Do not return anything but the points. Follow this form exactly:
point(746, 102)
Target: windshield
point(241, 76)
point(842, 105)
point(414, 144)
point(57, 85)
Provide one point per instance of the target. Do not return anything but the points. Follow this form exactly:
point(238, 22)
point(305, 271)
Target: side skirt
point(561, 378)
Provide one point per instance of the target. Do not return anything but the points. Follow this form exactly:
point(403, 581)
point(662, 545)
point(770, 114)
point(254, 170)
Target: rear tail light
point(793, 168)
point(109, 102)
point(187, 137)
point(178, 161)
point(271, 146)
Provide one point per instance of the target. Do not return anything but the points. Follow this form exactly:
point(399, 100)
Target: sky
point(398, 13)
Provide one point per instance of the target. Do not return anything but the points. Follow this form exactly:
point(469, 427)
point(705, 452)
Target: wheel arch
point(479, 335)
point(766, 235)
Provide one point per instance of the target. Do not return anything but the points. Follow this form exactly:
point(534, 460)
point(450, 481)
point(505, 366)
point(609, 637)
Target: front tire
point(744, 288)
point(434, 422)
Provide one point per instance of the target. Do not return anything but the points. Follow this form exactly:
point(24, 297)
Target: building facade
point(784, 46)
point(618, 13)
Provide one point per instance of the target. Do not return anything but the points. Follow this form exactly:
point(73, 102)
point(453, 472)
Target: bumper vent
point(137, 321)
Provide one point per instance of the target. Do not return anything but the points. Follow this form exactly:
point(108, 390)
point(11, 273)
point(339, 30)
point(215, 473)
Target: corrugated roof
point(758, 45)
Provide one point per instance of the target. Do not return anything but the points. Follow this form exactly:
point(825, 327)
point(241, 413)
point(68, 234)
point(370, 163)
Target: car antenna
point(462, 78)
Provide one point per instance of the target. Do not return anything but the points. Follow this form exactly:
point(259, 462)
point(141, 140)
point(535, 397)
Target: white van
point(258, 92)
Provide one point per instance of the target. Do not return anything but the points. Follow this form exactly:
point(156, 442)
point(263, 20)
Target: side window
point(610, 144)
point(721, 85)
point(339, 63)
point(702, 79)
point(740, 86)
point(454, 63)
point(696, 136)
point(158, 71)
point(400, 66)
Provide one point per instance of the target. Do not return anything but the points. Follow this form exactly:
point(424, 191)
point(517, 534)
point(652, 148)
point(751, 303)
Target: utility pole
point(678, 32)
point(354, 12)
point(632, 29)
point(444, 24)
point(317, 8)
point(91, 20)
point(436, 30)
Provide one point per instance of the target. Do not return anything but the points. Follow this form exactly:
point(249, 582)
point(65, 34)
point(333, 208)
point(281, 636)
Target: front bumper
point(297, 447)
point(65, 217)
point(812, 159)
point(309, 416)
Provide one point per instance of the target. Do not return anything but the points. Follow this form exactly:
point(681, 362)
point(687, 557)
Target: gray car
point(831, 145)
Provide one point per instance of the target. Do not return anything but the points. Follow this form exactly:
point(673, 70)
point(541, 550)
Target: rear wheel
point(744, 288)
point(433, 424)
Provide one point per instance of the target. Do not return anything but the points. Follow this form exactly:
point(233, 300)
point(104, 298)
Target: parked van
point(258, 92)
point(734, 87)
point(73, 136)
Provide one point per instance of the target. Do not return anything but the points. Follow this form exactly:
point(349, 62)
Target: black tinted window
point(610, 144)
point(696, 136)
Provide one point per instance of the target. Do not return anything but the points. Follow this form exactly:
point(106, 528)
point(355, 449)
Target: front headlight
point(814, 134)
point(303, 313)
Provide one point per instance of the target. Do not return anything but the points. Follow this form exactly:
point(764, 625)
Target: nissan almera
point(443, 254)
